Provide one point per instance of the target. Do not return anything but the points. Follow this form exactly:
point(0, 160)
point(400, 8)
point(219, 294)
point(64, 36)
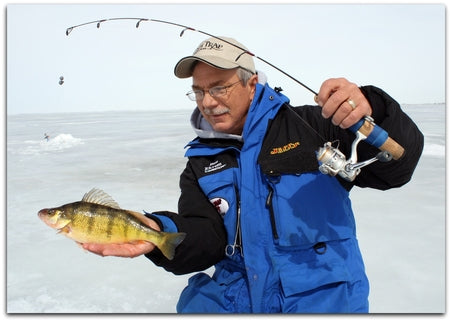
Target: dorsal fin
point(100, 197)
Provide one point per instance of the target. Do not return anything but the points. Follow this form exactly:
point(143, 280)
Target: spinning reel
point(333, 161)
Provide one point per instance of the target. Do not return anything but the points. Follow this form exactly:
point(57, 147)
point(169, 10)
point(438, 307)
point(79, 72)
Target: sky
point(397, 47)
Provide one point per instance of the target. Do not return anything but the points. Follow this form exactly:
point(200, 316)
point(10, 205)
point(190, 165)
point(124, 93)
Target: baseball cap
point(218, 53)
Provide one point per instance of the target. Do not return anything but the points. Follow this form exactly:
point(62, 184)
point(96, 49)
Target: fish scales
point(99, 219)
point(104, 224)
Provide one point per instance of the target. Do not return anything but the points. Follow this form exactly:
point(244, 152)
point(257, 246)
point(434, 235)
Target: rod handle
point(378, 137)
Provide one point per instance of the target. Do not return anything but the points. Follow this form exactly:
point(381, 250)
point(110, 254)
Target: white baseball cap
point(222, 53)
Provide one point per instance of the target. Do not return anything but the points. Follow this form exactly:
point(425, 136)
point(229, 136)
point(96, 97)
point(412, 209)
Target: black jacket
point(206, 235)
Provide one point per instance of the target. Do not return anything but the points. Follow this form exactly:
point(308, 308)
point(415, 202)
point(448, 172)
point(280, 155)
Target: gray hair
point(244, 75)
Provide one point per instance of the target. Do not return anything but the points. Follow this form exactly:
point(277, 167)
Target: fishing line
point(366, 128)
point(185, 28)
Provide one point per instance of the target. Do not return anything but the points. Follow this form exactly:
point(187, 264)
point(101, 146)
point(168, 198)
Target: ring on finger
point(352, 103)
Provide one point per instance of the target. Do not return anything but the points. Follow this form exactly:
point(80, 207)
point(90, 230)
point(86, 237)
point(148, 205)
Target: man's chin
point(222, 127)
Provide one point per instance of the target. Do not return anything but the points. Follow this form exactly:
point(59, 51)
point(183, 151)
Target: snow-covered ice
point(137, 157)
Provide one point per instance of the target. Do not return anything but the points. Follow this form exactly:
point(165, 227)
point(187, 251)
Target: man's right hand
point(125, 250)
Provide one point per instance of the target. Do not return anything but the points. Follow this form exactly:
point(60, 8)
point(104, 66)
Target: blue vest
point(297, 231)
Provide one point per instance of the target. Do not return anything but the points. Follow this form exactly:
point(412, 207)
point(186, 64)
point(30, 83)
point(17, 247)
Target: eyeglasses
point(215, 92)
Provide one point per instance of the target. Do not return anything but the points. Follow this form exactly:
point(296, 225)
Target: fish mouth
point(42, 213)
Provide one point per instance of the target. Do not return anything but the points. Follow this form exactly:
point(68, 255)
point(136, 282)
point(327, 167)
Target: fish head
point(54, 217)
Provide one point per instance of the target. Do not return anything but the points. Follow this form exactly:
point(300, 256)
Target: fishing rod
point(185, 28)
point(332, 160)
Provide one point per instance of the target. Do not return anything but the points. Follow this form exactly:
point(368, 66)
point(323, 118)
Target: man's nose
point(208, 100)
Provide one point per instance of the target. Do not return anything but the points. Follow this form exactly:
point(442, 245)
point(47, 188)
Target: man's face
point(228, 113)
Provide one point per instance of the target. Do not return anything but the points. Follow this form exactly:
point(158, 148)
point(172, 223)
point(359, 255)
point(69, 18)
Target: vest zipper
point(269, 205)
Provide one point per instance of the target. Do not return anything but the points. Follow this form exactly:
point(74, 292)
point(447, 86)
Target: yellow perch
point(97, 218)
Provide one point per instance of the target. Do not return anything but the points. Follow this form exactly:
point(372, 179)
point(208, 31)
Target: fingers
point(343, 101)
point(125, 250)
point(344, 114)
point(98, 249)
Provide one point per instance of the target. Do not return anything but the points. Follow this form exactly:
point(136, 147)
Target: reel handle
point(378, 137)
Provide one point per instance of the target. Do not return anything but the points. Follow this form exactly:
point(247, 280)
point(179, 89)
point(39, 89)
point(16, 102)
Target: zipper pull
point(269, 198)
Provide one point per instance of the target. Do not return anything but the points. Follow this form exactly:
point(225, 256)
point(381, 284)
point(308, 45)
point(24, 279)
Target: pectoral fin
point(66, 230)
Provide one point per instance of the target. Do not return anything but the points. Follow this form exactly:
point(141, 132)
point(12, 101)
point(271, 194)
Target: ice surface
point(137, 158)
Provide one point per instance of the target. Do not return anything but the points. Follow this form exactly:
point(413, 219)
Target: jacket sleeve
point(205, 240)
point(388, 114)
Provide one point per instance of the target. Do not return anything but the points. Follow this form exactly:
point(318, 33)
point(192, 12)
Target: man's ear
point(252, 83)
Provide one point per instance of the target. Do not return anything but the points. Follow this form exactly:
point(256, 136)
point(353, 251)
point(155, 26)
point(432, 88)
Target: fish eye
point(52, 212)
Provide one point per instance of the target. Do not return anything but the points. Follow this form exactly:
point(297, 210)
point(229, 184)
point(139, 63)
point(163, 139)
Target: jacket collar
point(204, 130)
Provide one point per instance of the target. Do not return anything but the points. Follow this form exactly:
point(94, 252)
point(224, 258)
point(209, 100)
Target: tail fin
point(169, 243)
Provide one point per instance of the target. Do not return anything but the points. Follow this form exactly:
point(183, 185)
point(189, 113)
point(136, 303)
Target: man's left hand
point(343, 101)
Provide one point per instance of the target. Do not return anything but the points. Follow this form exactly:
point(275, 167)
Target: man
point(253, 203)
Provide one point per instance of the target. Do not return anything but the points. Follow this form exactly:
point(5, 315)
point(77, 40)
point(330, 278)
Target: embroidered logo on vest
point(285, 148)
point(214, 166)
